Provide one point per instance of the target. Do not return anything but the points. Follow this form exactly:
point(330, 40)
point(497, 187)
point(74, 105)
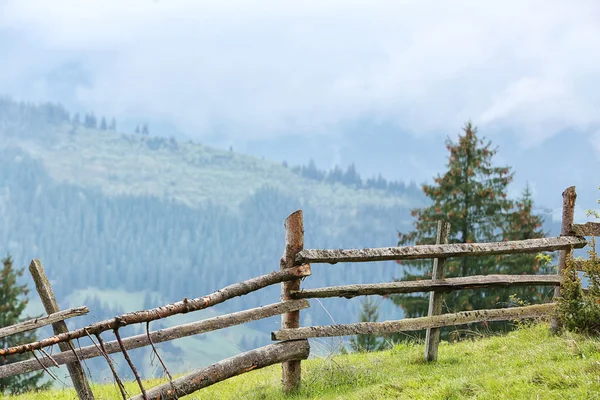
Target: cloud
point(264, 68)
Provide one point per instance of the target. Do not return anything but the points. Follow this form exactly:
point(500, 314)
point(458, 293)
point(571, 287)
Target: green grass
point(526, 364)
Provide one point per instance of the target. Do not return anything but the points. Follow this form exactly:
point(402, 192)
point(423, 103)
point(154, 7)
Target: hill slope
point(526, 364)
point(123, 222)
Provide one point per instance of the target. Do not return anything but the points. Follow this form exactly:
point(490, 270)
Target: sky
point(263, 71)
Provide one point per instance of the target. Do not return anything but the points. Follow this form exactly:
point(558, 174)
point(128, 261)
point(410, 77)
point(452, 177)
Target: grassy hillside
point(526, 364)
point(128, 164)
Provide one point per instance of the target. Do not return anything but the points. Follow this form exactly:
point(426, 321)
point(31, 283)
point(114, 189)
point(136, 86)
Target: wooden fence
point(293, 345)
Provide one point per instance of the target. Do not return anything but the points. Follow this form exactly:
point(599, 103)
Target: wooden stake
point(46, 293)
point(432, 336)
point(568, 214)
point(294, 243)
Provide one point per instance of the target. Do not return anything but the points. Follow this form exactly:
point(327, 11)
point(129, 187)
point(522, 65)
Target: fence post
point(46, 293)
point(294, 243)
point(568, 214)
point(432, 338)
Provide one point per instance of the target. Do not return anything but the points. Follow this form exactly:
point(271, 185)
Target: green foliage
point(471, 196)
point(578, 310)
point(527, 363)
point(13, 300)
point(369, 313)
point(594, 213)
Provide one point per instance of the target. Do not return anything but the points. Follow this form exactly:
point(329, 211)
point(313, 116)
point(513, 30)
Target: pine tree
point(471, 195)
point(113, 125)
point(369, 313)
point(13, 300)
point(76, 119)
point(522, 224)
point(103, 125)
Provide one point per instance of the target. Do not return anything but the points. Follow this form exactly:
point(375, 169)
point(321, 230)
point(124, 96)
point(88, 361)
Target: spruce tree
point(523, 224)
point(472, 196)
point(369, 313)
point(13, 300)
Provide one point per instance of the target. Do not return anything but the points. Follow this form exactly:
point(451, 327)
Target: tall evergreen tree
point(523, 224)
point(369, 313)
point(76, 119)
point(471, 195)
point(13, 300)
point(103, 125)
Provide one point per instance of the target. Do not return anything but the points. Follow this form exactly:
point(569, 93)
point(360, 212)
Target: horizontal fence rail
point(228, 368)
point(587, 229)
point(428, 285)
point(181, 307)
point(36, 323)
point(418, 252)
point(159, 336)
point(414, 324)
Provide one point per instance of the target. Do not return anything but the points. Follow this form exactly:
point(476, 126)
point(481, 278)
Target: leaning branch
point(230, 367)
point(438, 285)
point(159, 336)
point(181, 307)
point(310, 256)
point(43, 321)
point(413, 324)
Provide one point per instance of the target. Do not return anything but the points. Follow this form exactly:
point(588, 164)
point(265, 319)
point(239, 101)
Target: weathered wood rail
point(414, 324)
point(159, 336)
point(43, 321)
point(572, 237)
point(427, 251)
point(295, 264)
point(278, 353)
point(251, 360)
point(433, 285)
point(181, 307)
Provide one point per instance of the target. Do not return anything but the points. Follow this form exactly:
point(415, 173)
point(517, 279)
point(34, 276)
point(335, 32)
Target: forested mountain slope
point(125, 221)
